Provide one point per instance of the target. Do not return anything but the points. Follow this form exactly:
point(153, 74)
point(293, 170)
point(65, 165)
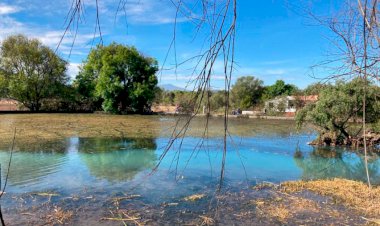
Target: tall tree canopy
point(315, 88)
point(29, 71)
point(247, 91)
point(278, 89)
point(121, 77)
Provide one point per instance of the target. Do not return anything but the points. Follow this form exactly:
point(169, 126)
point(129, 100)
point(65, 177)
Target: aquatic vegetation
point(34, 129)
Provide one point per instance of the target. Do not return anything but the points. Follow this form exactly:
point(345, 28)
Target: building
point(7, 104)
point(288, 104)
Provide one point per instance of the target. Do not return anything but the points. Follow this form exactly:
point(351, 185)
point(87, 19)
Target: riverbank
point(267, 117)
point(322, 202)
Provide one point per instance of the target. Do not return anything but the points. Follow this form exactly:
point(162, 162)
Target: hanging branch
point(2, 192)
point(356, 41)
point(218, 19)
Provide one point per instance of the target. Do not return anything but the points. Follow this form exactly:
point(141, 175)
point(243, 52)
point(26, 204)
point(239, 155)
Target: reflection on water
point(96, 145)
point(117, 159)
point(329, 163)
point(119, 165)
point(78, 162)
point(116, 164)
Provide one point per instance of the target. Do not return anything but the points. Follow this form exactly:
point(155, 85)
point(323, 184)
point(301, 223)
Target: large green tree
point(123, 78)
point(315, 88)
point(246, 92)
point(280, 88)
point(29, 71)
point(340, 105)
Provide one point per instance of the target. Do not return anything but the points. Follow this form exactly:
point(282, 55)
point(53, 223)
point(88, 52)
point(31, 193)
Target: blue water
point(113, 165)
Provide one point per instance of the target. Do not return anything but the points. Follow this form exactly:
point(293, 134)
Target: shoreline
point(267, 117)
point(328, 202)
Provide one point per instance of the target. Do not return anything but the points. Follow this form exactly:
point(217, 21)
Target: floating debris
point(45, 194)
point(59, 216)
point(207, 220)
point(194, 197)
point(264, 185)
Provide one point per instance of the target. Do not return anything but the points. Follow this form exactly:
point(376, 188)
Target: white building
point(288, 104)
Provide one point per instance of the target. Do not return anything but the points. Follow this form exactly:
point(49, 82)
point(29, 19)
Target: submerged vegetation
point(293, 203)
point(39, 128)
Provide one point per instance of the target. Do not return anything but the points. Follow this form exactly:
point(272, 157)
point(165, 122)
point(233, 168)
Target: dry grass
point(117, 200)
point(283, 208)
point(125, 216)
point(59, 216)
point(207, 220)
point(195, 197)
point(277, 211)
point(355, 195)
point(264, 185)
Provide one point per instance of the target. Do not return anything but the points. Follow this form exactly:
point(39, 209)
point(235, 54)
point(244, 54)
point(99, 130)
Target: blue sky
point(273, 40)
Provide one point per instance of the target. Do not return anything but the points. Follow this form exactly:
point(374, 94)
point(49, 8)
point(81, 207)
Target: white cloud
point(51, 38)
point(8, 9)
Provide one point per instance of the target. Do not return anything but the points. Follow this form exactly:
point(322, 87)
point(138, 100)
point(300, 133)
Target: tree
point(357, 42)
point(217, 100)
point(279, 89)
point(315, 88)
point(121, 77)
point(30, 71)
point(247, 92)
point(338, 106)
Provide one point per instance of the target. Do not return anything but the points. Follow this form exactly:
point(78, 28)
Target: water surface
point(261, 153)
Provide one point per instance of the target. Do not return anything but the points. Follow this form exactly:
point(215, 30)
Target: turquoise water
point(86, 175)
point(109, 165)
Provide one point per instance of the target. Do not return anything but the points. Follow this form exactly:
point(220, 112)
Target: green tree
point(30, 71)
point(121, 77)
point(340, 105)
point(280, 88)
point(218, 100)
point(247, 92)
point(315, 88)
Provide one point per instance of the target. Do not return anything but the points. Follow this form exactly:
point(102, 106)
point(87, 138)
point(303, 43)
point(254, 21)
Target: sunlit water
point(111, 165)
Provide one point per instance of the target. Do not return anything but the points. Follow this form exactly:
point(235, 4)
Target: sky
point(274, 40)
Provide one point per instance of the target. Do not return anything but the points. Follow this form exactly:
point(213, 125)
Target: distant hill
point(170, 87)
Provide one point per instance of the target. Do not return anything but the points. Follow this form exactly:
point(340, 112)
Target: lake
point(79, 161)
